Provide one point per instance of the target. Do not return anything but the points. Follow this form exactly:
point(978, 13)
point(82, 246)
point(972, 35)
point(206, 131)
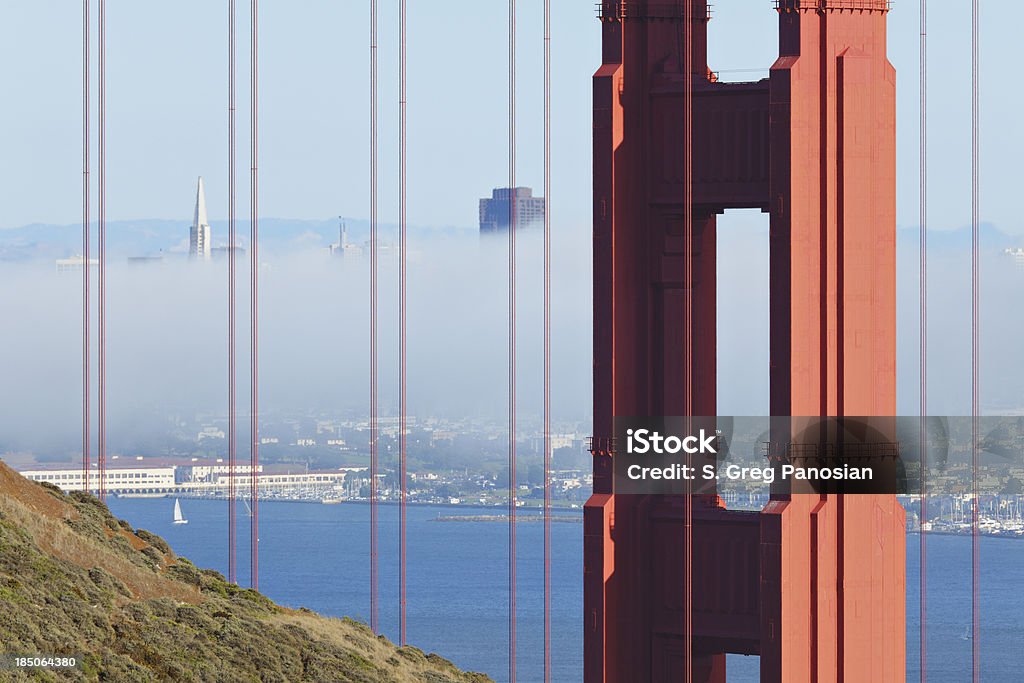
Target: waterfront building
point(74, 264)
point(117, 481)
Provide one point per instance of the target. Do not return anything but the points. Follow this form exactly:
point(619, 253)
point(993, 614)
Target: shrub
point(52, 488)
point(155, 541)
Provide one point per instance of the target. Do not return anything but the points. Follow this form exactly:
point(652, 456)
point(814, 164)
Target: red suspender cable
point(402, 323)
point(101, 220)
point(512, 202)
point(232, 397)
point(86, 411)
point(688, 75)
point(373, 317)
point(254, 276)
point(923, 336)
point(975, 394)
point(547, 341)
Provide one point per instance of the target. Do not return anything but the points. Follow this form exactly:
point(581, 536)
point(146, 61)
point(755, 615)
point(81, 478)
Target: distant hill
point(151, 237)
point(75, 580)
point(990, 238)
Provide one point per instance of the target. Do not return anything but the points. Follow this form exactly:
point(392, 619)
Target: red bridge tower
point(814, 584)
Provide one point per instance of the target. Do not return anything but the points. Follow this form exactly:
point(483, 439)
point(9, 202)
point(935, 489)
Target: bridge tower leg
point(814, 584)
point(833, 339)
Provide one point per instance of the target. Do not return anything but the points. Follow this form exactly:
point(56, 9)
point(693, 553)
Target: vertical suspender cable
point(254, 276)
point(975, 393)
point(373, 317)
point(512, 211)
point(402, 322)
point(688, 75)
point(232, 433)
point(101, 247)
point(547, 341)
point(86, 275)
point(923, 336)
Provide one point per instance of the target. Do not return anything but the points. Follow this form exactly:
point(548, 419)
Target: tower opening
point(742, 321)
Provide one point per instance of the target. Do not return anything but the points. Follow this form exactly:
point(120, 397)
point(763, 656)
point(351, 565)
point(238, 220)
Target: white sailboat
point(178, 517)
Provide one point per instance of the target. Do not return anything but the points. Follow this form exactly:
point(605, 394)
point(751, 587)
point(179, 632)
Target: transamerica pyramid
point(199, 235)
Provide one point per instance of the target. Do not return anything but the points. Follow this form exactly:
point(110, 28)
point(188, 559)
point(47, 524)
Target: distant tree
point(446, 491)
point(522, 476)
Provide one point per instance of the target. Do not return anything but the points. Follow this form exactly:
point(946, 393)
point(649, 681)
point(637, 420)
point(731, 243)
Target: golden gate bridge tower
point(814, 583)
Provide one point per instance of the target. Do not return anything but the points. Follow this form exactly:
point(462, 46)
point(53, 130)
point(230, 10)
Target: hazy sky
point(166, 106)
point(166, 125)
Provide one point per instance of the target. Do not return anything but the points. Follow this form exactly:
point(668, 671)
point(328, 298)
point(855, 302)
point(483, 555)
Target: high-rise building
point(199, 236)
point(497, 212)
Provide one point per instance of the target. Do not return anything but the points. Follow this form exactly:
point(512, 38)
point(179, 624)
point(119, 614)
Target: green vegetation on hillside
point(76, 581)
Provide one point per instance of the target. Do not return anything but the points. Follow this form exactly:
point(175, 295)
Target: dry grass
point(45, 516)
point(406, 663)
point(36, 498)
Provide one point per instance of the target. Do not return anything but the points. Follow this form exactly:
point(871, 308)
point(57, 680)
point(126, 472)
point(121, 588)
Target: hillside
point(75, 580)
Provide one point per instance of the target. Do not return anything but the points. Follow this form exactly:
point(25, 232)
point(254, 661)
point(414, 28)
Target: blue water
point(316, 556)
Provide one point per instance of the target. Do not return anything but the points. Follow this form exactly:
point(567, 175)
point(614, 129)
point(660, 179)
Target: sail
point(178, 517)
